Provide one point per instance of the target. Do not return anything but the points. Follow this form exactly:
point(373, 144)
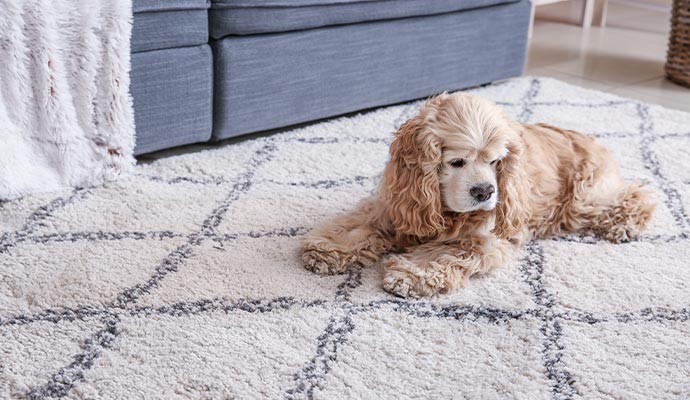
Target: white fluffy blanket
point(66, 117)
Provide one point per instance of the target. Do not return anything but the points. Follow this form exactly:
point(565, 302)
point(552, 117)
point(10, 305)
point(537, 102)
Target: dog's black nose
point(482, 192)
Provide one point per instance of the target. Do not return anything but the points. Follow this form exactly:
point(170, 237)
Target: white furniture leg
point(531, 20)
point(600, 10)
point(588, 13)
point(593, 12)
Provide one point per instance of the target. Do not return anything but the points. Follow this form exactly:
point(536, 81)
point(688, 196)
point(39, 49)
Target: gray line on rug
point(315, 371)
point(333, 140)
point(532, 268)
point(211, 305)
point(591, 239)
point(58, 315)
point(552, 354)
point(62, 382)
point(654, 315)
point(208, 180)
point(354, 280)
point(650, 314)
point(613, 135)
point(36, 219)
point(527, 101)
point(280, 232)
point(329, 183)
point(177, 309)
point(566, 103)
point(673, 199)
point(286, 232)
point(674, 135)
point(100, 235)
point(464, 312)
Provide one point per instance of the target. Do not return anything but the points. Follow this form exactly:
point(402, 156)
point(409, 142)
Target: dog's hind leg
point(624, 218)
point(434, 268)
point(348, 240)
point(595, 197)
point(608, 206)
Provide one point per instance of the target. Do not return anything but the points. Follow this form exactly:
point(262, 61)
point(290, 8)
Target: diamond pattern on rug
point(621, 119)
point(31, 353)
point(408, 354)
point(607, 367)
point(14, 215)
point(139, 204)
point(628, 148)
point(676, 154)
point(185, 281)
point(301, 203)
point(596, 279)
point(334, 162)
point(76, 272)
point(244, 268)
point(214, 354)
point(203, 167)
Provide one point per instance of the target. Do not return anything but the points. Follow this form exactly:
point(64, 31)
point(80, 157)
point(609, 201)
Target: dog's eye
point(457, 163)
point(494, 162)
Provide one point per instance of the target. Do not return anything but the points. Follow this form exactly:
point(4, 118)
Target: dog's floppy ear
point(410, 184)
point(513, 210)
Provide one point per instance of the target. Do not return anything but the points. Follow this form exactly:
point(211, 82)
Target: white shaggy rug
point(184, 280)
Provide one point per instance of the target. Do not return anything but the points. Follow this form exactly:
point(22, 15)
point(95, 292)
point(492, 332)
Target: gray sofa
point(276, 63)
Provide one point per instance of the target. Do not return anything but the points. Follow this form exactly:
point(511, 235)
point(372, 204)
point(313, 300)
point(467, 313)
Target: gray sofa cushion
point(173, 95)
point(274, 80)
point(245, 17)
point(168, 5)
point(160, 24)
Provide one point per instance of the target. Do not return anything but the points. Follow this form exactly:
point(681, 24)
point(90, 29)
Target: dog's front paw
point(403, 278)
point(323, 262)
point(621, 234)
point(401, 284)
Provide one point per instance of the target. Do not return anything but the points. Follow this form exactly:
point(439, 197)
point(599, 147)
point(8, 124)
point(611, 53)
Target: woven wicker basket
point(678, 58)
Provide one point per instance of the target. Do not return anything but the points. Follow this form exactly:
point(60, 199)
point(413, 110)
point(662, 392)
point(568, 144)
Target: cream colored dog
point(465, 187)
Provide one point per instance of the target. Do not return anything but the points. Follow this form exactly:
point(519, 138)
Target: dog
point(465, 187)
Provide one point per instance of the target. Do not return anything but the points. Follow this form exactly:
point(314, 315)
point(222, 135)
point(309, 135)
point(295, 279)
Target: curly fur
point(549, 181)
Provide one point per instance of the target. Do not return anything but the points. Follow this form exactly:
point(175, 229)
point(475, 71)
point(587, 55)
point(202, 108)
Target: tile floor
point(626, 57)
